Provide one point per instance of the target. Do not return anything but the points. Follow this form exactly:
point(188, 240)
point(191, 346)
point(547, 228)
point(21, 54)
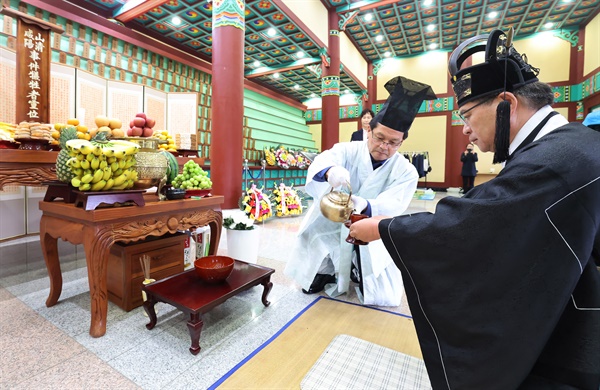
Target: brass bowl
point(151, 167)
point(144, 184)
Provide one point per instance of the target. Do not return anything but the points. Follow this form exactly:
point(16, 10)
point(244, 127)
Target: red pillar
point(330, 87)
point(371, 87)
point(226, 149)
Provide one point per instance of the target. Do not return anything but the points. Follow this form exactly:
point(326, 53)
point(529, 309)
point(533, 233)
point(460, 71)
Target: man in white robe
point(382, 182)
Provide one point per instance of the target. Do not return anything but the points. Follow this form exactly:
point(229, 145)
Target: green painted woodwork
point(273, 123)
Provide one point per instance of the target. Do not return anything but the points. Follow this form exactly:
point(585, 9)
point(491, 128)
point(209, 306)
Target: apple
point(139, 122)
point(150, 122)
point(141, 115)
point(131, 124)
point(137, 131)
point(147, 132)
point(130, 132)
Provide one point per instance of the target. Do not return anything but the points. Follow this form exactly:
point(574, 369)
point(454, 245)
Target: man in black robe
point(502, 283)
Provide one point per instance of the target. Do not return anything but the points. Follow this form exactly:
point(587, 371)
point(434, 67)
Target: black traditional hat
point(504, 70)
point(402, 105)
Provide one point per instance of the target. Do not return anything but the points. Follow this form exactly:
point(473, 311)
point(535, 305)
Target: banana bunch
point(102, 166)
point(7, 131)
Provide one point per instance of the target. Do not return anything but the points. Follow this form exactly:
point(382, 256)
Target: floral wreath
point(285, 159)
point(286, 200)
point(256, 205)
point(301, 161)
point(270, 156)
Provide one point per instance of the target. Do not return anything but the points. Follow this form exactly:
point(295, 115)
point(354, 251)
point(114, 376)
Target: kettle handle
point(350, 193)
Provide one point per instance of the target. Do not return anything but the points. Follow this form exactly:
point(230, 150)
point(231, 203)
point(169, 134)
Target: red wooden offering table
point(99, 229)
point(188, 293)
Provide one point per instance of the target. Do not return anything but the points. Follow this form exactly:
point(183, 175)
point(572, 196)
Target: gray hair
point(535, 95)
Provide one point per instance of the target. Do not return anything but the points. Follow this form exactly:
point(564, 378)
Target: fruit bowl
point(197, 192)
point(213, 269)
point(146, 143)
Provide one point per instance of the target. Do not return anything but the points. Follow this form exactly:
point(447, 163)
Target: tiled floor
point(50, 348)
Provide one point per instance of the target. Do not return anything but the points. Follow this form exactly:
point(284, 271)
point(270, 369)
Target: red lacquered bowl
point(200, 193)
point(213, 269)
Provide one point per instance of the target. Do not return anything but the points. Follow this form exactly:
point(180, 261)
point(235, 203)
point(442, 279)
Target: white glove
point(336, 176)
point(360, 204)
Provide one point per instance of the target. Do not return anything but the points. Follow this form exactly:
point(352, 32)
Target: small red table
point(188, 293)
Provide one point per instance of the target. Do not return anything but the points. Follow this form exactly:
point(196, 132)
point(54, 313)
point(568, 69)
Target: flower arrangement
point(301, 161)
point(238, 221)
point(287, 201)
point(256, 204)
point(269, 156)
point(285, 158)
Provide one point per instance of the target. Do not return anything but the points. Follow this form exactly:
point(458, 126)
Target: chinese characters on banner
point(33, 72)
point(34, 44)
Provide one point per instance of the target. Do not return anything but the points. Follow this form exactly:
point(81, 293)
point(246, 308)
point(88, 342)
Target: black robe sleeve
point(502, 283)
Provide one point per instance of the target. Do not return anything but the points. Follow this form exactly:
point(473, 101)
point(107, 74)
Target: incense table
point(194, 297)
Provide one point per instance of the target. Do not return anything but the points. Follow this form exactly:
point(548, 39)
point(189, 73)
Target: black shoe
point(319, 283)
point(354, 275)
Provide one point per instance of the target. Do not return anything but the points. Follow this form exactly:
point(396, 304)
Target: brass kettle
point(337, 205)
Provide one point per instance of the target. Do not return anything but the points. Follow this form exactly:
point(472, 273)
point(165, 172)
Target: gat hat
point(504, 69)
point(402, 105)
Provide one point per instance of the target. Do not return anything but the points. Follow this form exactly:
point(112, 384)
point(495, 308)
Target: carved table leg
point(97, 245)
point(149, 308)
point(195, 328)
point(50, 251)
point(266, 282)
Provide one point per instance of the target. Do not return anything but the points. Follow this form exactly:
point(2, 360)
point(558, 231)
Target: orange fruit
point(118, 133)
point(114, 124)
point(101, 120)
point(73, 121)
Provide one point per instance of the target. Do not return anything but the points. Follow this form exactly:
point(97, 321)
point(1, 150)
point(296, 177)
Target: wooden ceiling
point(378, 28)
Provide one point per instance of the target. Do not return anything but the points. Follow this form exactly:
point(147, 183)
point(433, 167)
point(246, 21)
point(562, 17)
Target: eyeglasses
point(462, 114)
point(380, 141)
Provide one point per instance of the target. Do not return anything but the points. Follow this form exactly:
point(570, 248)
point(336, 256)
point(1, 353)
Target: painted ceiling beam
point(265, 70)
point(134, 8)
point(76, 12)
point(364, 5)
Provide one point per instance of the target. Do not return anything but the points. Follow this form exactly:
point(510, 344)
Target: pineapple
point(63, 172)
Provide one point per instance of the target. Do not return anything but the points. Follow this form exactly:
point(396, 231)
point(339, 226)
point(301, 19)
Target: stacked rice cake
point(34, 131)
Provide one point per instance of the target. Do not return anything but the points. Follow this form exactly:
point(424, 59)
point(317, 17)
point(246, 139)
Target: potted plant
point(242, 237)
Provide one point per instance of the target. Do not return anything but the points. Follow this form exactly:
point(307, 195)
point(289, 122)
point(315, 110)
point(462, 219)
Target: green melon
point(172, 166)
